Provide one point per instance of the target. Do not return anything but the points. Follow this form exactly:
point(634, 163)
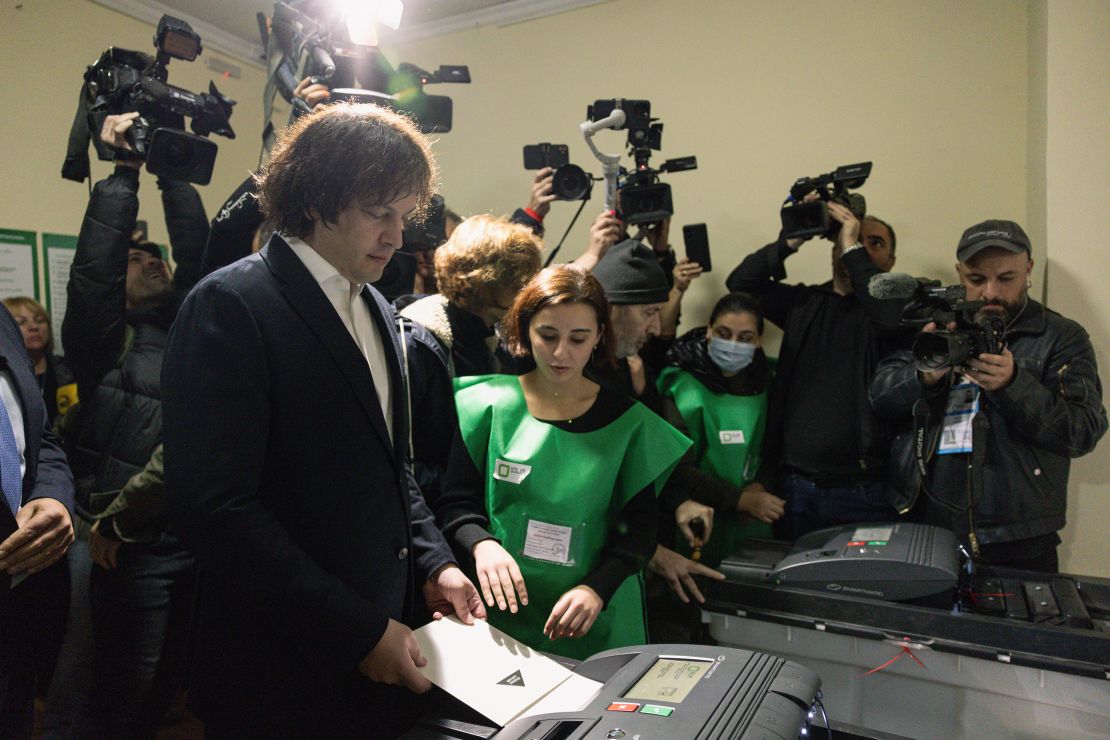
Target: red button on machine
point(857, 544)
point(618, 706)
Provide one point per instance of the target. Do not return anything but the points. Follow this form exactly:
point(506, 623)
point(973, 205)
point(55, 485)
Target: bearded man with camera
point(989, 448)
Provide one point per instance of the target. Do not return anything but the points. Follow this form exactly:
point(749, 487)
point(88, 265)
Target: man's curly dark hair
point(340, 155)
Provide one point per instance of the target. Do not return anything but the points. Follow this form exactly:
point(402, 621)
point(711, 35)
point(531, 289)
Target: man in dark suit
point(285, 429)
point(36, 529)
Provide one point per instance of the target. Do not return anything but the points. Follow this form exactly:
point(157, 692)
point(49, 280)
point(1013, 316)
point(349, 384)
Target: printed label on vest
point(511, 472)
point(550, 542)
point(732, 437)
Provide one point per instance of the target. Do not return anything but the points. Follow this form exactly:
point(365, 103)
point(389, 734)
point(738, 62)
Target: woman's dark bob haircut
point(555, 286)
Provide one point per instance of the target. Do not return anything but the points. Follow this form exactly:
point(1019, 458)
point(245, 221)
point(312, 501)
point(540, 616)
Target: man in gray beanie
point(1000, 430)
point(637, 290)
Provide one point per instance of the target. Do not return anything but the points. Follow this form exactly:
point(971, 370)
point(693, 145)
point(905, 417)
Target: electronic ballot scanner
point(666, 691)
point(894, 562)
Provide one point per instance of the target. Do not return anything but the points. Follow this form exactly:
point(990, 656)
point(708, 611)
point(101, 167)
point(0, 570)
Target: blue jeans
point(810, 507)
point(140, 619)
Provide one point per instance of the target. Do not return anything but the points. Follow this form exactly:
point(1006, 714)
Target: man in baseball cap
point(995, 264)
point(1006, 235)
point(1014, 418)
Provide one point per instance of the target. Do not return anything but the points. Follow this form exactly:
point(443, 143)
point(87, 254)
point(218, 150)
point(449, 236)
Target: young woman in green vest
point(714, 389)
point(552, 482)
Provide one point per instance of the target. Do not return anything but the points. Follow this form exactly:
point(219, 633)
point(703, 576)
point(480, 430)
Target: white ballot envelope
point(496, 675)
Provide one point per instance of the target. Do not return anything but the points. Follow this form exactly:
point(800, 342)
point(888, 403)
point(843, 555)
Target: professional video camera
point(313, 39)
point(122, 81)
point(977, 331)
point(569, 182)
point(803, 220)
point(643, 198)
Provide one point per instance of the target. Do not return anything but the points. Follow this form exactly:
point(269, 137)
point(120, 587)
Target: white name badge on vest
point(733, 437)
point(510, 472)
point(963, 405)
point(549, 542)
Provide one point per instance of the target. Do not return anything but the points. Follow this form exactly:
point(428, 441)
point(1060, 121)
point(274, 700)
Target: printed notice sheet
point(496, 675)
point(19, 274)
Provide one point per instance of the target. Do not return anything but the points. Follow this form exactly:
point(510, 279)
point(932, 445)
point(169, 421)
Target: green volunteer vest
point(552, 498)
point(727, 431)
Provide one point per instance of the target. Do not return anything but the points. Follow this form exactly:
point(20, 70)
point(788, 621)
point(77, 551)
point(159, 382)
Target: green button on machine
point(658, 710)
point(877, 543)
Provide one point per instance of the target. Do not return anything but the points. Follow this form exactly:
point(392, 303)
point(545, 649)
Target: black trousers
point(32, 624)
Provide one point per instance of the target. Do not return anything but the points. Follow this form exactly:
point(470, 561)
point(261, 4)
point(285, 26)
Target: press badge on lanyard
point(963, 405)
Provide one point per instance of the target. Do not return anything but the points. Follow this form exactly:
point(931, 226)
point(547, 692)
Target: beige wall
point(969, 111)
point(1078, 187)
point(763, 93)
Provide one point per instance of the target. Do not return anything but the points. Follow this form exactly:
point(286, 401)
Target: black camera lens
point(803, 220)
point(179, 154)
point(570, 182)
point(941, 349)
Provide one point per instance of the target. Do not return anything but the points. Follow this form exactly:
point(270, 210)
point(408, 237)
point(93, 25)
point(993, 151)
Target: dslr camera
point(804, 220)
point(570, 182)
point(976, 332)
point(643, 198)
point(122, 81)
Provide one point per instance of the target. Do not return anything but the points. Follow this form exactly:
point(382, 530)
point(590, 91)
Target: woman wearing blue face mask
point(714, 390)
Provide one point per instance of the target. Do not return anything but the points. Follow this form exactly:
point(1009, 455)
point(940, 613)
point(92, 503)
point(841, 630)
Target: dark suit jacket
point(30, 614)
point(284, 483)
point(47, 475)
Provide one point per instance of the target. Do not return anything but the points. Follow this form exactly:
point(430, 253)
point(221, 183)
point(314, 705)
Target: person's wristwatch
point(852, 248)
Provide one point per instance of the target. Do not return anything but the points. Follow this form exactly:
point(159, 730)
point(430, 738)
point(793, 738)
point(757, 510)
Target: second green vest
point(727, 431)
point(552, 498)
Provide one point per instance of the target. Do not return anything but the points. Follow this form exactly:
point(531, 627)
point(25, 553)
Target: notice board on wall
point(18, 264)
point(58, 251)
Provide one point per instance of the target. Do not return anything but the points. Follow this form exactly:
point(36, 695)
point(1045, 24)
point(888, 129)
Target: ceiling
point(230, 26)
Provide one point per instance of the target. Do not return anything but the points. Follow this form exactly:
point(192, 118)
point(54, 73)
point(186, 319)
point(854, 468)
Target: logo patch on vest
point(733, 437)
point(510, 472)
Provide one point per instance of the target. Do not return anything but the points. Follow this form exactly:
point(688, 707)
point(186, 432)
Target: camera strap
point(559, 246)
point(76, 164)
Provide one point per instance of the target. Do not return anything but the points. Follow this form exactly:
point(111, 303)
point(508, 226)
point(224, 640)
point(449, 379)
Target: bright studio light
point(363, 17)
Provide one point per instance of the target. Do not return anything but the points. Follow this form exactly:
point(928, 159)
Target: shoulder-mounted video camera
point(122, 81)
point(803, 220)
point(317, 42)
point(977, 331)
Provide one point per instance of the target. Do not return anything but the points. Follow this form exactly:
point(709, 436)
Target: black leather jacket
point(1023, 437)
